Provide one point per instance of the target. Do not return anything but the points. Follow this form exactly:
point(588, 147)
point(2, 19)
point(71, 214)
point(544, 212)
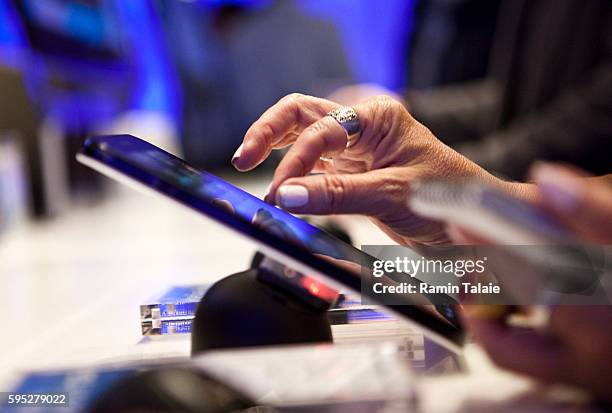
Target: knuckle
point(292, 105)
point(394, 191)
point(390, 104)
point(319, 127)
point(292, 97)
point(320, 135)
point(336, 191)
point(329, 133)
point(391, 196)
point(383, 111)
point(266, 135)
point(299, 165)
point(387, 104)
point(390, 113)
point(385, 101)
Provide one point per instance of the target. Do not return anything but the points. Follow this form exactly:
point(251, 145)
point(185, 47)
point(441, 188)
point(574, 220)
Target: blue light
point(157, 87)
point(375, 35)
point(12, 37)
point(10, 33)
point(85, 23)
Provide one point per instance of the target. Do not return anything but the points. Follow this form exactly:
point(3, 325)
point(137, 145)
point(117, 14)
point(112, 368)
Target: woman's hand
point(574, 349)
point(371, 178)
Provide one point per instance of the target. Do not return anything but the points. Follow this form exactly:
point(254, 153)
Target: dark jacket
point(548, 94)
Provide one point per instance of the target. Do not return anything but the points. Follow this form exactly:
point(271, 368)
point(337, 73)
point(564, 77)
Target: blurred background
point(506, 82)
point(188, 75)
point(192, 75)
point(78, 254)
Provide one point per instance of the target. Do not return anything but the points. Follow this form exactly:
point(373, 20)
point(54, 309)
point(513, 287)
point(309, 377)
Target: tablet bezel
point(95, 156)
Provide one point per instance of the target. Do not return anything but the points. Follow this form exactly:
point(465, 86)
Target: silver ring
point(348, 119)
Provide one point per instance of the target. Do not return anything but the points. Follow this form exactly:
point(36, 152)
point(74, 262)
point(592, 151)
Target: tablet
point(278, 234)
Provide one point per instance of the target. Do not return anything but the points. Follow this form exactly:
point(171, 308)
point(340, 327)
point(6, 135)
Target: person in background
point(547, 94)
point(370, 172)
point(451, 41)
point(233, 64)
point(564, 351)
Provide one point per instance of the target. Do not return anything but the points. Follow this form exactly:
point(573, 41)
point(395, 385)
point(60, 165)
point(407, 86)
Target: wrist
point(524, 191)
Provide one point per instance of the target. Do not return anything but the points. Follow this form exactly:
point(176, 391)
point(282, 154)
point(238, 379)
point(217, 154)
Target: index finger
point(580, 202)
point(530, 352)
point(278, 127)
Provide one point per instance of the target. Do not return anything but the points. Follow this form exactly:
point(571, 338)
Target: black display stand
point(246, 309)
point(243, 310)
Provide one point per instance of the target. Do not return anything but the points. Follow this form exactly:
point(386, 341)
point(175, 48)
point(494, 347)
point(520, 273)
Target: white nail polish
point(237, 153)
point(292, 196)
point(267, 190)
point(560, 190)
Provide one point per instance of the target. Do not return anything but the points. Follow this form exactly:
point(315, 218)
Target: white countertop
point(70, 290)
point(71, 287)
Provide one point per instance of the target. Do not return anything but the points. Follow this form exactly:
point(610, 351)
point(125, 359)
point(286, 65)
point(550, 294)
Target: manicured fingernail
point(292, 196)
point(237, 155)
point(267, 193)
point(559, 188)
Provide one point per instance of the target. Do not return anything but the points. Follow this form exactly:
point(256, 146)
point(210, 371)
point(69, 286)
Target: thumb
point(584, 204)
point(368, 193)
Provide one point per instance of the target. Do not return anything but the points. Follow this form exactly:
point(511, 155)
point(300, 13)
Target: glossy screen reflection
point(249, 208)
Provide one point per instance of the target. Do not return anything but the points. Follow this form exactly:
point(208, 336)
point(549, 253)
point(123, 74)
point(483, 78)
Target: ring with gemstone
point(348, 119)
